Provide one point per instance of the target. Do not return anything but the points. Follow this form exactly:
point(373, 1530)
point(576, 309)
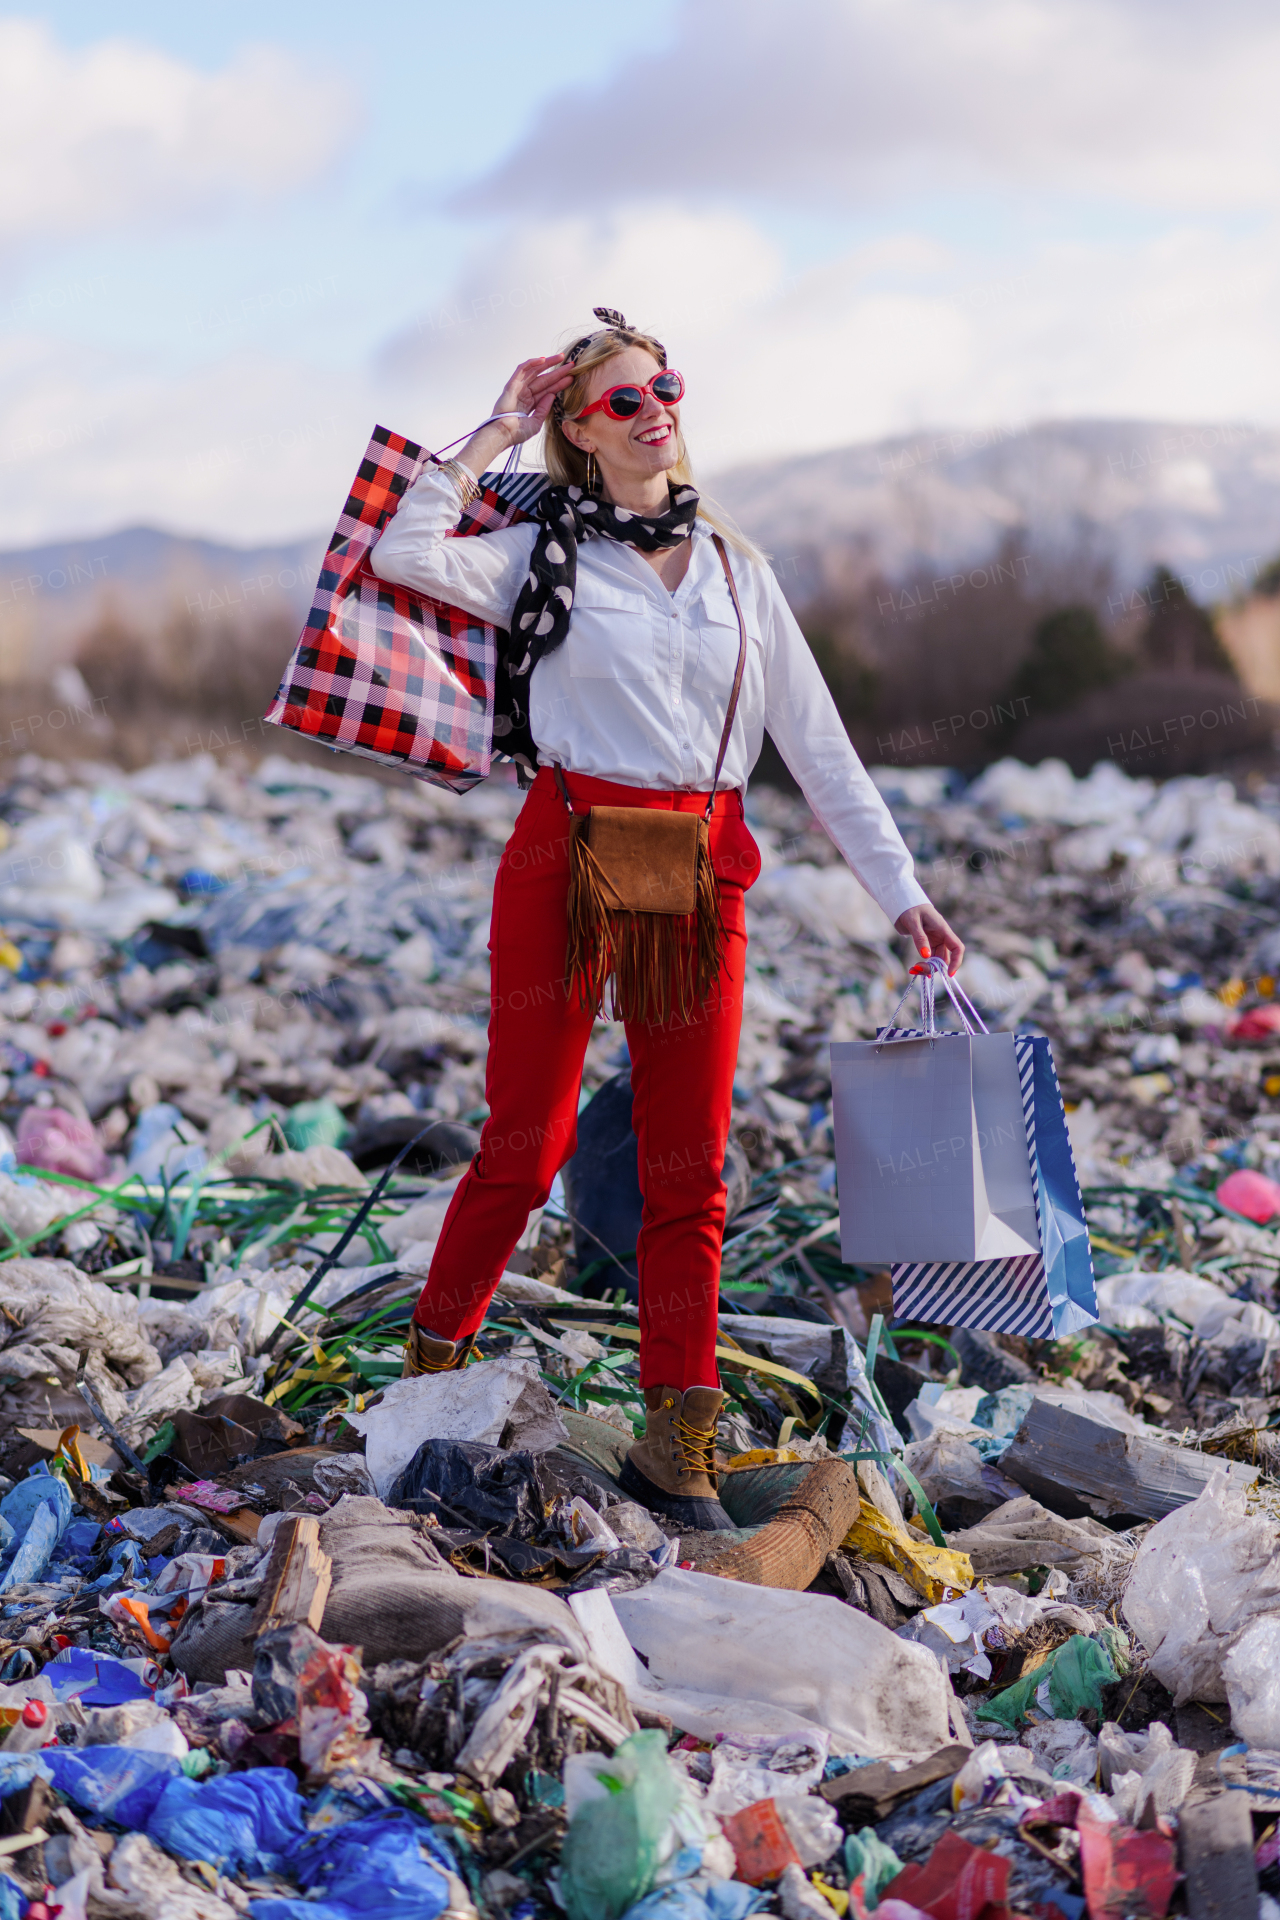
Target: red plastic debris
point(761, 1844)
point(1259, 1023)
point(1126, 1872)
point(1251, 1194)
point(56, 1029)
point(956, 1882)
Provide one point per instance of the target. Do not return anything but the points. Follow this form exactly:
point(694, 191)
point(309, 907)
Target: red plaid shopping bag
point(385, 672)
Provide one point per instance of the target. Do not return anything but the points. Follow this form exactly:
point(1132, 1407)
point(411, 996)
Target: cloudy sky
point(233, 237)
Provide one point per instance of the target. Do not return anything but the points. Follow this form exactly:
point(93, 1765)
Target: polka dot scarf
point(540, 620)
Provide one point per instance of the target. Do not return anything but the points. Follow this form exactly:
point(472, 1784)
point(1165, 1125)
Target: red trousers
point(681, 1081)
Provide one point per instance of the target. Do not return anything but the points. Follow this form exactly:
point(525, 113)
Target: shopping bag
point(382, 671)
point(931, 1149)
point(1045, 1295)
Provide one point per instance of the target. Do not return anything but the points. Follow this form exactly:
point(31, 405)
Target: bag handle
point(929, 971)
point(737, 677)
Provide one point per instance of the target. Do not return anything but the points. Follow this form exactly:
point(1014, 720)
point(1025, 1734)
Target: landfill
point(996, 1630)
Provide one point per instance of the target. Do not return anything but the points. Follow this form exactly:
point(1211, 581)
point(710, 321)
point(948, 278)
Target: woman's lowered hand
point(931, 934)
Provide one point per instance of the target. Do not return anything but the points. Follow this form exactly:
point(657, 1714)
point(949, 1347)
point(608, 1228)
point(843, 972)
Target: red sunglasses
point(624, 403)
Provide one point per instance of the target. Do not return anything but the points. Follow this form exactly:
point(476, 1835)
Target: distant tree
point(1069, 657)
point(854, 685)
point(1268, 581)
point(1179, 635)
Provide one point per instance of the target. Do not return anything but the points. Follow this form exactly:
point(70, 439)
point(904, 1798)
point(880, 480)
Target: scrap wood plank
point(299, 1574)
point(1076, 1465)
point(731, 1357)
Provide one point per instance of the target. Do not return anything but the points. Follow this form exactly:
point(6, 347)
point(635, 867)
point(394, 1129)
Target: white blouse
point(637, 693)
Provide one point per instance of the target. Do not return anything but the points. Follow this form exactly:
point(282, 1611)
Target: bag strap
point(737, 677)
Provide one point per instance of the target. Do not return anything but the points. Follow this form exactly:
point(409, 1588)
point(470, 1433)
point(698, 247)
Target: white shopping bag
point(931, 1144)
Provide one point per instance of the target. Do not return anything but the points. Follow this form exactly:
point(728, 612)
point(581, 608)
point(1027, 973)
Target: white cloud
point(894, 336)
point(119, 132)
point(248, 448)
point(899, 336)
point(849, 100)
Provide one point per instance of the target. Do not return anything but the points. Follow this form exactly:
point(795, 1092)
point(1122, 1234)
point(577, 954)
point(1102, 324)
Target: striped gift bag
point(1039, 1296)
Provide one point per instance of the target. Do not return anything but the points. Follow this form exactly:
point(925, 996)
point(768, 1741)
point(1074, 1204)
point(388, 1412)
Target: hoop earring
point(591, 473)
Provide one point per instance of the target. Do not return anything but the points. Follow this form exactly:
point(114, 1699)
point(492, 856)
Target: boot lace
point(698, 1445)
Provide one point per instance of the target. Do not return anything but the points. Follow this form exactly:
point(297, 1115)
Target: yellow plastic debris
point(836, 1895)
point(932, 1571)
point(9, 955)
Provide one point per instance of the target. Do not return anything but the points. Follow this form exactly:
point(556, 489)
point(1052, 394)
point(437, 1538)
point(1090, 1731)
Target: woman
point(623, 650)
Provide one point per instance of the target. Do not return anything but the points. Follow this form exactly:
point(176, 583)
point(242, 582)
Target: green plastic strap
point(936, 1339)
point(873, 1344)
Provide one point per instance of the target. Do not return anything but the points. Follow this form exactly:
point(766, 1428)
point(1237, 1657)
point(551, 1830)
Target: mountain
point(1115, 496)
point(52, 595)
point(1204, 499)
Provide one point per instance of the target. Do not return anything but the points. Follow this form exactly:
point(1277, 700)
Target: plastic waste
point(99, 1679)
point(51, 1138)
point(762, 1845)
point(243, 1821)
point(159, 1146)
point(723, 1900)
point(316, 1123)
point(120, 1783)
point(34, 1727)
point(956, 1881)
point(956, 1632)
point(868, 1858)
point(803, 1655)
point(1199, 1577)
point(618, 1811)
point(935, 1572)
point(1251, 1194)
point(1125, 1872)
point(1067, 1683)
point(502, 1403)
point(1251, 1670)
point(1065, 1749)
point(388, 1863)
point(38, 1510)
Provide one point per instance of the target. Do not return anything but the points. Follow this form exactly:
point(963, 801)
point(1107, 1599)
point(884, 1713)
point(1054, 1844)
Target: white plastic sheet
point(803, 1655)
point(502, 1403)
point(1200, 1576)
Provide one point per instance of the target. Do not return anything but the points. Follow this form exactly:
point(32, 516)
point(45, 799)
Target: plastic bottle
point(33, 1729)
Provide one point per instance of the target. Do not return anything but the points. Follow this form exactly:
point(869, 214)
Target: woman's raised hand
point(530, 391)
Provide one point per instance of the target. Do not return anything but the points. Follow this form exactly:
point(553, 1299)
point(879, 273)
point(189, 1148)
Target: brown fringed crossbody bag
point(644, 909)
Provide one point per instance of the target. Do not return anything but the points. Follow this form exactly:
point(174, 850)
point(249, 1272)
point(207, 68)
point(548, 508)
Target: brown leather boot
point(423, 1353)
point(672, 1470)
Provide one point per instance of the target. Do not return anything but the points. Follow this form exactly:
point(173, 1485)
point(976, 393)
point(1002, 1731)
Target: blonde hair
point(566, 464)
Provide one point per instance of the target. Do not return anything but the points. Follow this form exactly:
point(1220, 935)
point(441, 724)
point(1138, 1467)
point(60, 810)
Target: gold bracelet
point(468, 488)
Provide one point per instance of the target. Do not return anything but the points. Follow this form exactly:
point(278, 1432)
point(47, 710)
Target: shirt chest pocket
point(718, 642)
point(610, 634)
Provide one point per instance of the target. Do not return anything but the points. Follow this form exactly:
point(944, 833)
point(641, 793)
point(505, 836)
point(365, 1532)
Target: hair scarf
point(540, 619)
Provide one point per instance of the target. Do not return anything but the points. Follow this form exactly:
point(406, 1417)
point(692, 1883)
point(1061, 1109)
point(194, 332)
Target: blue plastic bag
point(241, 1820)
point(95, 1679)
point(12, 1899)
point(725, 1900)
point(374, 1865)
point(39, 1511)
point(120, 1783)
